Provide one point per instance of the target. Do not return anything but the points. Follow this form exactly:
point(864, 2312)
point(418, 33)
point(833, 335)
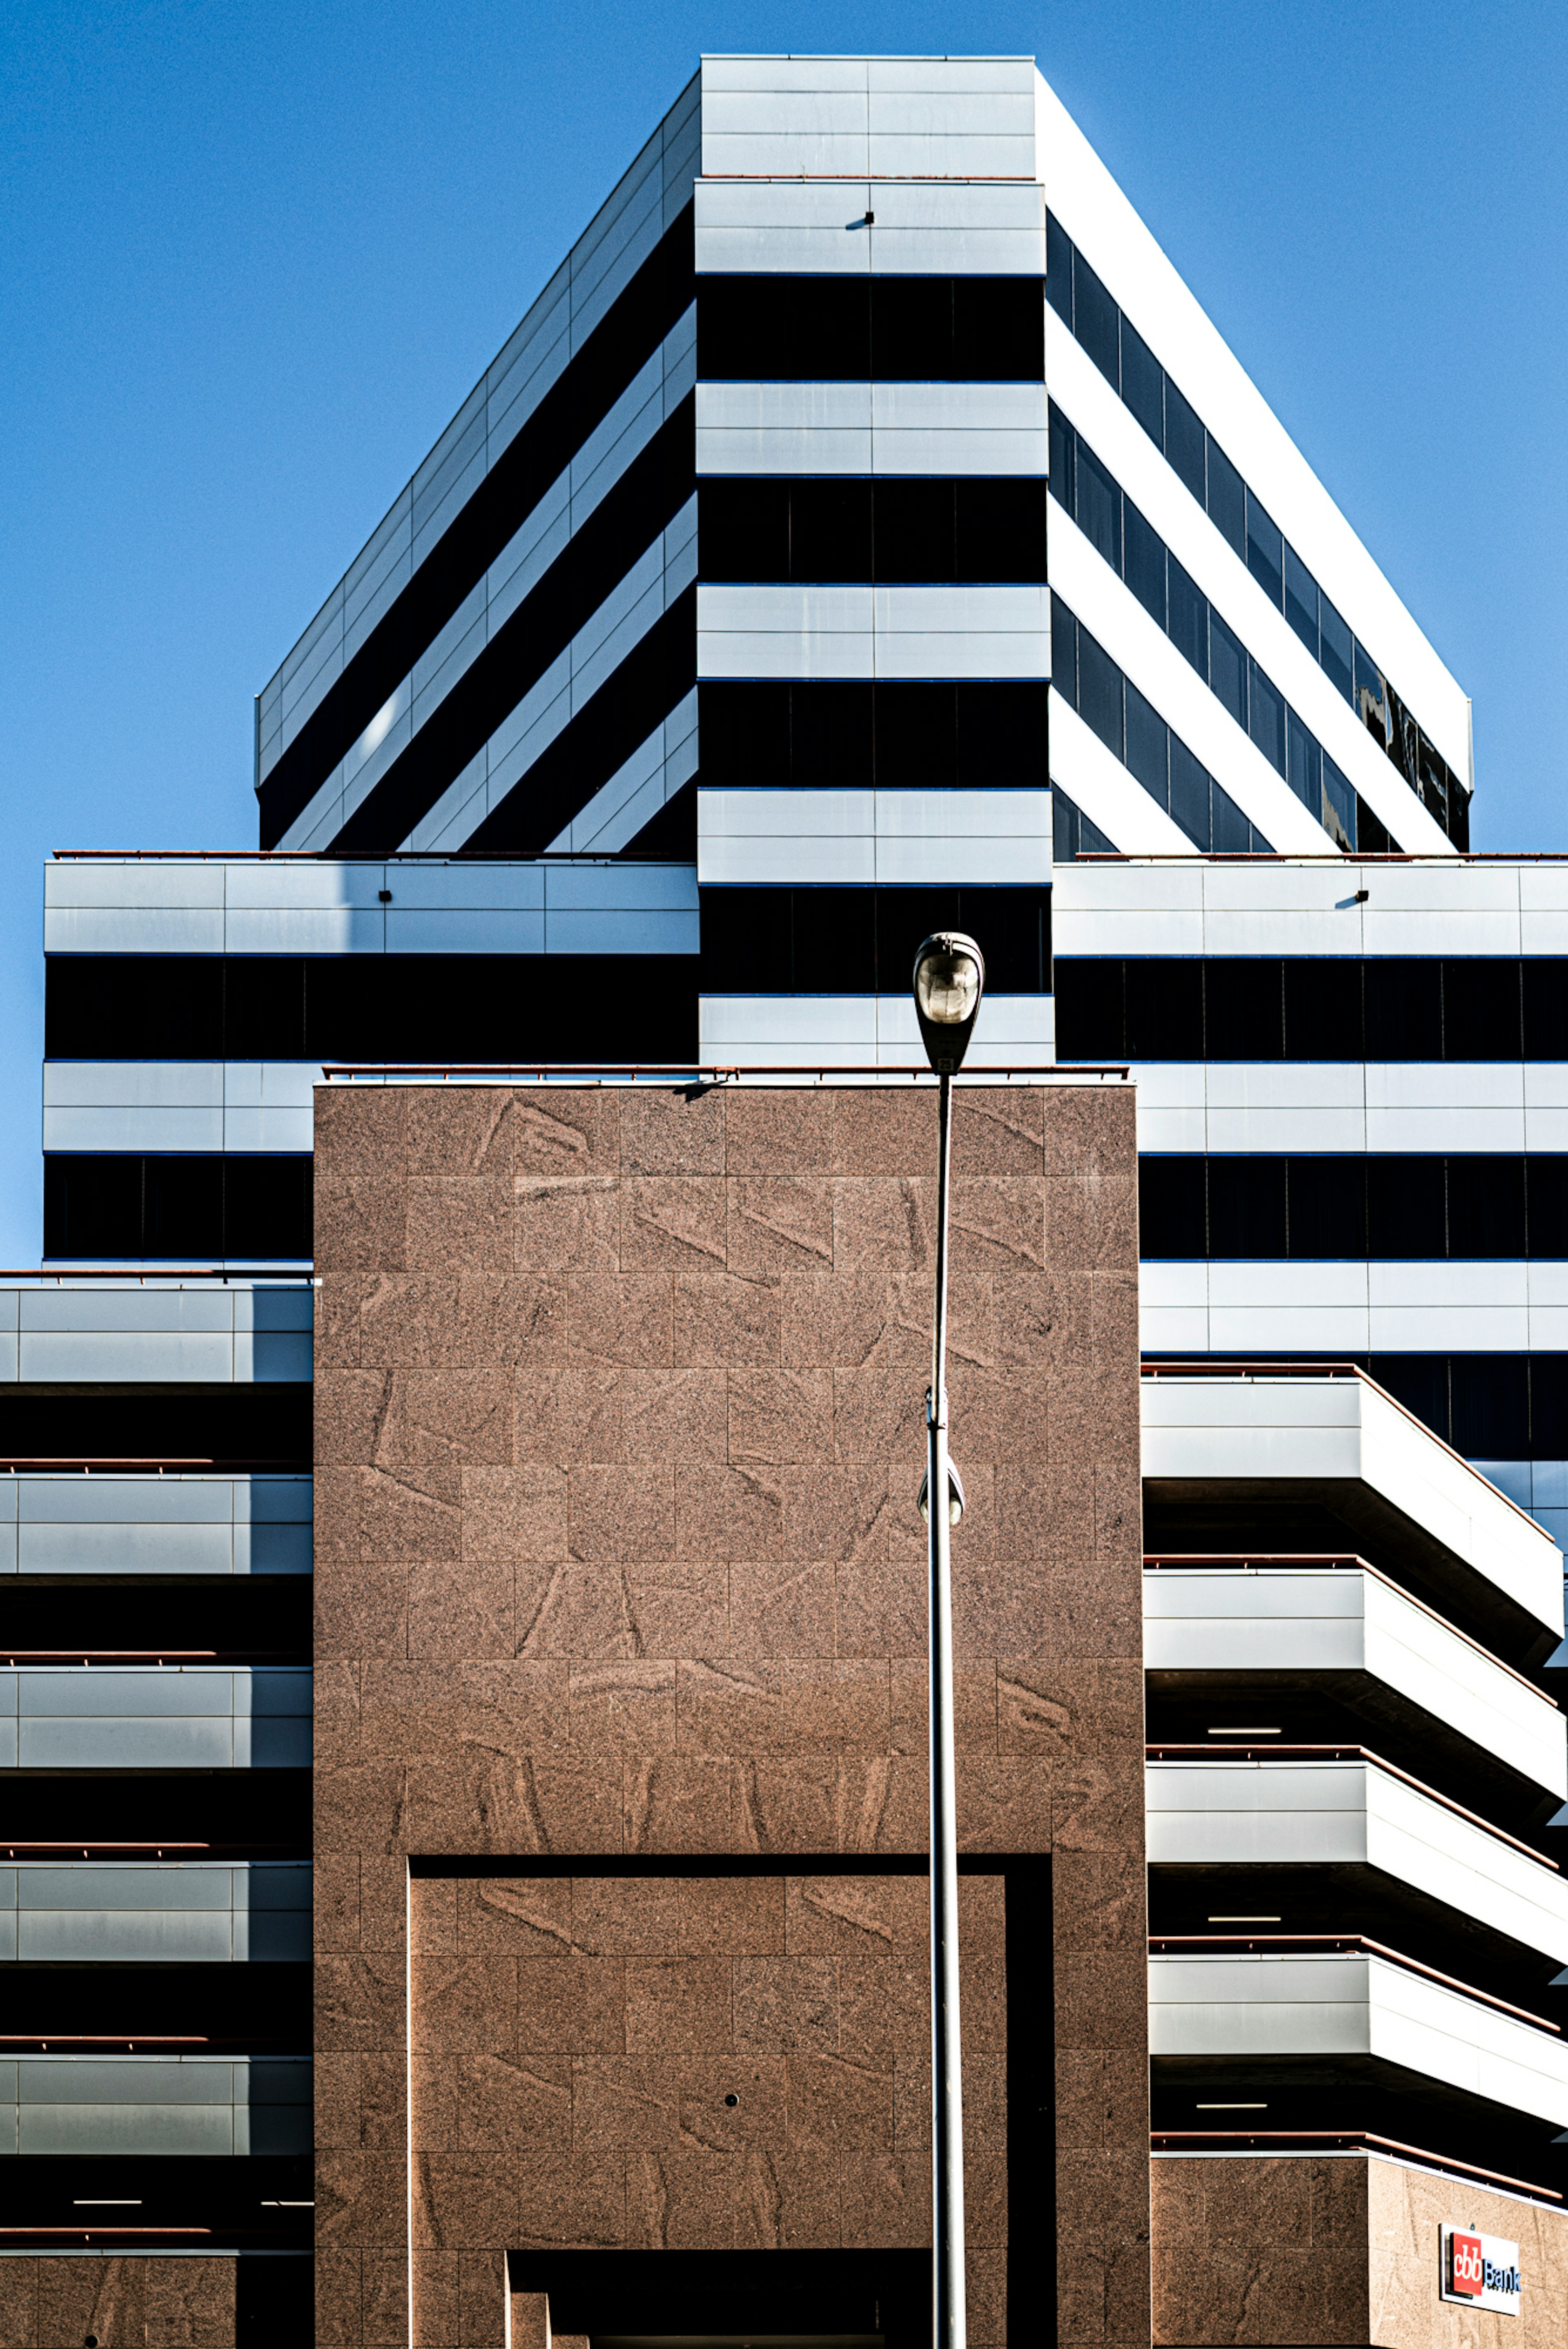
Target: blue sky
point(254, 256)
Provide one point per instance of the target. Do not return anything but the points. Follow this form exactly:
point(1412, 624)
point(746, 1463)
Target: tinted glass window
point(916, 730)
point(1546, 1187)
point(1549, 1407)
point(831, 735)
point(1266, 718)
point(1001, 735)
point(1095, 320)
point(914, 539)
point(1014, 926)
point(998, 330)
point(1099, 507)
point(743, 727)
point(1243, 1009)
point(1327, 1207)
point(1421, 1381)
point(1323, 1007)
point(1146, 745)
point(1340, 806)
point(1000, 529)
point(1227, 667)
point(1491, 1401)
point(834, 941)
point(1184, 438)
point(911, 327)
point(1089, 1005)
point(1099, 693)
point(1226, 498)
point(1303, 767)
point(1371, 697)
point(1063, 651)
point(1058, 268)
point(1405, 1211)
point(1188, 622)
point(1404, 1008)
point(742, 529)
point(1232, 835)
point(830, 531)
point(1486, 1206)
point(1171, 1207)
point(1545, 988)
point(1482, 1010)
point(1336, 655)
point(1265, 553)
point(1143, 383)
point(1165, 1009)
point(1144, 552)
point(1063, 445)
point(1247, 1207)
point(1300, 600)
point(1188, 790)
point(783, 329)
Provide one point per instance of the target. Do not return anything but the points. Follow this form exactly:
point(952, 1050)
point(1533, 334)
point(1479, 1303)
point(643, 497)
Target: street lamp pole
point(950, 977)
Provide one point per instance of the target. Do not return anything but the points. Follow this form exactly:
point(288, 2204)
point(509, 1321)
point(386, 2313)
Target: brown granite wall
point(133, 2302)
point(1293, 2249)
point(620, 1419)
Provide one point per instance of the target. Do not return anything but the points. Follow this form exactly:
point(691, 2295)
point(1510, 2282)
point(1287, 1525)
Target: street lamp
point(950, 979)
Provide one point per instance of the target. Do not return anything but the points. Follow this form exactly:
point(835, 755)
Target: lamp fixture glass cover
point(950, 980)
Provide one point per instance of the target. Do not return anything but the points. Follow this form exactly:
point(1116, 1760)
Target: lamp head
point(950, 979)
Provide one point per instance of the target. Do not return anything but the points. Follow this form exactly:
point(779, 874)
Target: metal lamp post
point(950, 979)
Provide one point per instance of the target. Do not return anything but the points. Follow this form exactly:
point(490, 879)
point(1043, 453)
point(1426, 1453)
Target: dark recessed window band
point(185, 1208)
point(849, 736)
point(1138, 554)
point(1132, 730)
point(1488, 1406)
point(589, 567)
point(831, 530)
point(1311, 1008)
point(829, 941)
point(632, 328)
point(1087, 308)
point(772, 328)
point(1489, 1206)
point(370, 1007)
point(1073, 834)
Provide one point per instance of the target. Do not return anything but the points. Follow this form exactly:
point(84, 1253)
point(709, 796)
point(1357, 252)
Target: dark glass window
point(1336, 656)
point(783, 329)
point(1340, 807)
point(1323, 1007)
point(1232, 835)
point(746, 941)
point(1099, 507)
point(1482, 1010)
point(834, 941)
point(1491, 1401)
point(1247, 1207)
point(1371, 695)
point(187, 1209)
point(916, 738)
point(1171, 1207)
point(1165, 1009)
point(1145, 559)
point(1189, 791)
point(744, 731)
point(742, 529)
point(1089, 1023)
point(1099, 693)
point(1404, 1007)
point(1266, 718)
point(1188, 622)
point(1406, 1208)
point(1486, 1206)
point(1146, 750)
point(1000, 734)
point(1226, 498)
point(1013, 929)
point(1000, 529)
point(1545, 979)
point(1096, 321)
point(1372, 837)
point(830, 531)
point(1227, 667)
point(1548, 1406)
point(911, 327)
point(1143, 383)
point(1058, 268)
point(1073, 834)
point(1303, 767)
point(1265, 553)
point(1300, 600)
point(1063, 651)
point(832, 735)
point(1546, 1187)
point(1326, 1205)
point(1421, 1381)
point(1243, 1009)
point(1000, 324)
point(1063, 460)
point(1184, 438)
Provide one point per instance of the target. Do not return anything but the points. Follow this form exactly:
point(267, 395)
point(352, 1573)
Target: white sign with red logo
point(1480, 2269)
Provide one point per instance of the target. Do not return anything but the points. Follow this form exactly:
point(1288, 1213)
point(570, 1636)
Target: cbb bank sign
point(1482, 2270)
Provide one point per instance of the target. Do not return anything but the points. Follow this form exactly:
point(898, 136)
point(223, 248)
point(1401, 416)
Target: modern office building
point(865, 532)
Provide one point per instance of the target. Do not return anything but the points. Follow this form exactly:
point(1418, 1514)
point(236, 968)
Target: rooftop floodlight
point(950, 979)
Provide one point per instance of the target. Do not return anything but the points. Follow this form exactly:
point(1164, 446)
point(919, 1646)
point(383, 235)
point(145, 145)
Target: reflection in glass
point(1300, 600)
point(1265, 551)
point(1144, 555)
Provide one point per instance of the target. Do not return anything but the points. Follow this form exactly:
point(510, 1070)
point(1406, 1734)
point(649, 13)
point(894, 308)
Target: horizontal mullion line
point(660, 671)
point(588, 386)
point(643, 503)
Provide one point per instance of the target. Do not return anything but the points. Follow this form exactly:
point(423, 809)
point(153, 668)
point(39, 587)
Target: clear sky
point(252, 256)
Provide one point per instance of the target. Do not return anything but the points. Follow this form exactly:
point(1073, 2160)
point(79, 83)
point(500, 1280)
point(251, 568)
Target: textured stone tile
point(362, 2200)
point(508, 2103)
point(886, 2200)
point(360, 1222)
point(512, 1915)
point(777, 1416)
point(461, 1608)
point(678, 1131)
point(677, 1803)
point(729, 1512)
point(674, 1220)
point(349, 1407)
point(879, 1414)
point(459, 1223)
point(564, 1129)
point(408, 1319)
point(728, 1706)
point(622, 1515)
point(572, 2005)
point(565, 1223)
point(732, 1916)
point(725, 1317)
point(678, 2198)
point(359, 2004)
point(886, 1224)
point(1091, 1222)
point(361, 1809)
point(360, 1130)
point(882, 1128)
point(779, 1223)
point(833, 2100)
point(881, 1607)
point(782, 2004)
point(1089, 1130)
point(452, 1416)
point(409, 1513)
point(772, 1130)
point(407, 1710)
point(626, 1705)
point(460, 1129)
point(507, 1320)
point(512, 1517)
point(998, 1222)
point(839, 1319)
point(998, 1130)
point(338, 2311)
point(624, 2103)
point(463, 2201)
point(464, 2004)
point(337, 1318)
point(576, 2205)
point(678, 2005)
point(677, 1416)
point(624, 1317)
point(789, 2201)
point(514, 1708)
point(572, 1413)
point(781, 1610)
